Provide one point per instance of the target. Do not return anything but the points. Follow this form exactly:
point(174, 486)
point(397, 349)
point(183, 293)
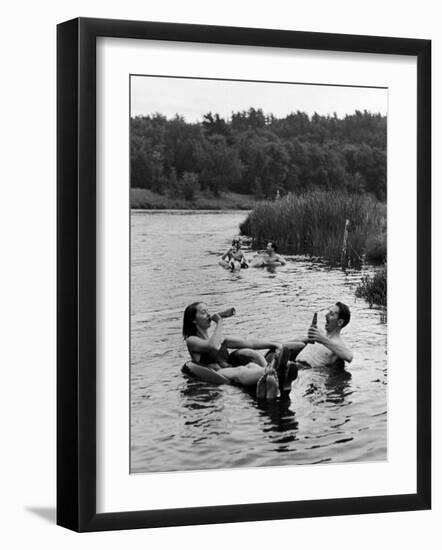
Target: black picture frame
point(77, 287)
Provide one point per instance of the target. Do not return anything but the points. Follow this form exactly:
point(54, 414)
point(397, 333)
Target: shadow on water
point(326, 385)
point(337, 383)
point(282, 418)
point(198, 394)
point(320, 386)
point(277, 413)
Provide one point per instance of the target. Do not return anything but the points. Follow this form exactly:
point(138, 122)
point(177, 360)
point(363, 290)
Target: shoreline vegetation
point(314, 184)
point(201, 200)
point(315, 224)
point(258, 154)
point(343, 229)
point(374, 288)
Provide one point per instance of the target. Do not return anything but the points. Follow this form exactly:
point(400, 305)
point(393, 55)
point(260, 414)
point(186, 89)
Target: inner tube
point(204, 373)
point(234, 265)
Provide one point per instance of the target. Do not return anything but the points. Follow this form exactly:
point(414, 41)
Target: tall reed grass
point(374, 288)
point(313, 223)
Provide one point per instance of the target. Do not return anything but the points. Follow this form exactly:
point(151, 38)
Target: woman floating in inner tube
point(245, 365)
point(234, 258)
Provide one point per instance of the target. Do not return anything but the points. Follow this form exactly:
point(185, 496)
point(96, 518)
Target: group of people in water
point(235, 260)
point(241, 361)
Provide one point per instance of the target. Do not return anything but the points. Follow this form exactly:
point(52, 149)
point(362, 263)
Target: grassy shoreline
point(148, 200)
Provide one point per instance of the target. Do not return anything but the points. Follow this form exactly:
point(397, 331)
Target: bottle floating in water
point(227, 312)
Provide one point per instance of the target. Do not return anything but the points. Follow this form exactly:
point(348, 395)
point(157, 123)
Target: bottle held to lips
point(226, 313)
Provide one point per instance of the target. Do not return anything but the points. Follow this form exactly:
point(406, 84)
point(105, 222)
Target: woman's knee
point(248, 374)
point(254, 367)
point(246, 355)
point(252, 355)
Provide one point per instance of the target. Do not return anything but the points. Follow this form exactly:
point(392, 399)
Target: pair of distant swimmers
point(234, 258)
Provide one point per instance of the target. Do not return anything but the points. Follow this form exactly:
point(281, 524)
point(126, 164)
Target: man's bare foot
point(267, 386)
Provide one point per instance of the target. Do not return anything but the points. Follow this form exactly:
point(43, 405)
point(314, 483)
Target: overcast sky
point(191, 98)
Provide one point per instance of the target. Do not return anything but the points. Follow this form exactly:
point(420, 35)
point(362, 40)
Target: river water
point(179, 423)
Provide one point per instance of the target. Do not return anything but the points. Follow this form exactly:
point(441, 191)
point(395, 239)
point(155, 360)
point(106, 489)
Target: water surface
point(179, 423)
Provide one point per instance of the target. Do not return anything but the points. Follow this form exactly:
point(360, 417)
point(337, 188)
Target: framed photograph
point(243, 274)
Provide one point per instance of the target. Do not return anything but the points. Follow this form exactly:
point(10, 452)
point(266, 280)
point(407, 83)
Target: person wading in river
point(324, 349)
point(271, 257)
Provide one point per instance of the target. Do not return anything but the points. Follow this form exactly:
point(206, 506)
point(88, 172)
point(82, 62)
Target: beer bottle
point(227, 312)
point(314, 324)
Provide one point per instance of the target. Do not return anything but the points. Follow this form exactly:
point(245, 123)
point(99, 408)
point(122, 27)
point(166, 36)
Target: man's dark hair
point(274, 246)
point(344, 313)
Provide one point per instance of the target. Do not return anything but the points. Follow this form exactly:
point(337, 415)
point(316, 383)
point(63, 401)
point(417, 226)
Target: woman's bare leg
point(244, 356)
point(245, 375)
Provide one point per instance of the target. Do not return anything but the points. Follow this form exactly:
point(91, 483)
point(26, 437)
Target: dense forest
point(259, 154)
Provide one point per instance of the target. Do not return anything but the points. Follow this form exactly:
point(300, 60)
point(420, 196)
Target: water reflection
point(199, 393)
point(280, 417)
point(325, 385)
point(275, 417)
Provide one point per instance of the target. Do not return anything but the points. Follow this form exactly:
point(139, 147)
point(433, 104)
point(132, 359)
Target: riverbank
point(147, 199)
point(315, 223)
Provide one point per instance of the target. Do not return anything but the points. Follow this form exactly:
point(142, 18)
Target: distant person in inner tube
point(245, 365)
point(234, 258)
point(324, 348)
point(269, 257)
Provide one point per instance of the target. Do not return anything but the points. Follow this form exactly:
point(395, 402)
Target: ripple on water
point(183, 424)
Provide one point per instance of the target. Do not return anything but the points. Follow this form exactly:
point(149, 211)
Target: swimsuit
point(220, 357)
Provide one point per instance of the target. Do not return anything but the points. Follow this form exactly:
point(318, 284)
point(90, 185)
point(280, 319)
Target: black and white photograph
point(202, 205)
point(258, 274)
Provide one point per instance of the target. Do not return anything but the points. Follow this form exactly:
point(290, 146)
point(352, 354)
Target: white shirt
point(316, 355)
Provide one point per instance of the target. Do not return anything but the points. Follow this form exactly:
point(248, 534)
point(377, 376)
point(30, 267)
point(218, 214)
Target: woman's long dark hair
point(189, 327)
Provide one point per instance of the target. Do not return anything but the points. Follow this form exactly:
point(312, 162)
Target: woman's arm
point(198, 345)
point(226, 255)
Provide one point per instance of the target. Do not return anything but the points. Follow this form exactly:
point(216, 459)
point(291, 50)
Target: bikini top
point(220, 356)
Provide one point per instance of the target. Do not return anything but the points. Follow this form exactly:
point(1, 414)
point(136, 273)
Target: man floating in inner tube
point(324, 349)
point(245, 366)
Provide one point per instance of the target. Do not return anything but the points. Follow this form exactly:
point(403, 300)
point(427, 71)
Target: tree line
point(259, 154)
